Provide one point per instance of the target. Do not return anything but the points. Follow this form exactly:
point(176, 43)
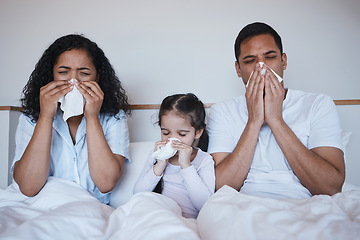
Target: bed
point(63, 210)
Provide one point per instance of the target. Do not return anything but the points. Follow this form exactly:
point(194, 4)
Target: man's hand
point(273, 100)
point(254, 97)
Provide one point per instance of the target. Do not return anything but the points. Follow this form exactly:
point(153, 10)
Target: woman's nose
point(73, 75)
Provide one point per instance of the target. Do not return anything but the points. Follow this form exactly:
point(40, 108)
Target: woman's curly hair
point(114, 94)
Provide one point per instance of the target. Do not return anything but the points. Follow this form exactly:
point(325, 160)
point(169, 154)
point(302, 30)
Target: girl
point(90, 148)
point(187, 177)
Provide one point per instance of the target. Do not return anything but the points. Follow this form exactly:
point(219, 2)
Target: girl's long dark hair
point(114, 94)
point(190, 107)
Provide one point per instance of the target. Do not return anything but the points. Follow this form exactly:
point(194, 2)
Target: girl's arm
point(148, 179)
point(32, 170)
point(200, 183)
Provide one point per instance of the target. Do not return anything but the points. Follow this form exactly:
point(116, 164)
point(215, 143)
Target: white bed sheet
point(229, 214)
point(64, 210)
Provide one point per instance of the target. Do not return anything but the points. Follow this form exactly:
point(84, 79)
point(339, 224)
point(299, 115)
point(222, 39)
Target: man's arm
point(232, 168)
point(321, 170)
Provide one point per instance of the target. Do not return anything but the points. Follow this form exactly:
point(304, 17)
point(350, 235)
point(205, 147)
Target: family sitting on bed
point(272, 142)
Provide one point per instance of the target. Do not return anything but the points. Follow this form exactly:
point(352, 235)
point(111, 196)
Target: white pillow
point(123, 191)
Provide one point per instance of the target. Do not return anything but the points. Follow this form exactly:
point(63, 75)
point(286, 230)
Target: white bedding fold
point(150, 216)
point(61, 210)
point(229, 214)
point(64, 210)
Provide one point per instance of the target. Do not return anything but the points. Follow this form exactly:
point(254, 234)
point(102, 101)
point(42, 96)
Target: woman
point(89, 149)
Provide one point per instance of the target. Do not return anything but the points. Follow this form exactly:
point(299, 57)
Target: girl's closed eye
point(164, 132)
point(183, 133)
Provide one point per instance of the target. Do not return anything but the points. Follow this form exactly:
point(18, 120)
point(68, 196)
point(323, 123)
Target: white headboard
point(143, 127)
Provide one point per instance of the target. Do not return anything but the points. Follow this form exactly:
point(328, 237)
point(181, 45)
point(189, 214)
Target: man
point(274, 142)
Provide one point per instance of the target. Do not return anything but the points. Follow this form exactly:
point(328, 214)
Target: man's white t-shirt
point(312, 117)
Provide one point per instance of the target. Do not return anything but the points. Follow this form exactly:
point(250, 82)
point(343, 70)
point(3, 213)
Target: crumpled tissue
point(72, 104)
point(166, 151)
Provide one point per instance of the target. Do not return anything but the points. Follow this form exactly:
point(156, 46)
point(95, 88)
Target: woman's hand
point(93, 95)
point(50, 95)
point(184, 152)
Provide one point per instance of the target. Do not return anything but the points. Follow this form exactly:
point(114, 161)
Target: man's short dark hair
point(254, 29)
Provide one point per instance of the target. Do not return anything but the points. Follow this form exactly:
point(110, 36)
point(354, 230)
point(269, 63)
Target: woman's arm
point(32, 170)
point(105, 167)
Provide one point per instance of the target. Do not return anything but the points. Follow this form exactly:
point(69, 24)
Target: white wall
point(161, 47)
point(8, 124)
point(4, 148)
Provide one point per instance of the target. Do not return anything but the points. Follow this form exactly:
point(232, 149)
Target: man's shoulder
point(307, 98)
point(229, 103)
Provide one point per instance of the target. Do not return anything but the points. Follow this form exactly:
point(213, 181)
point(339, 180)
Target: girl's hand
point(160, 165)
point(160, 144)
point(184, 152)
point(50, 95)
point(94, 97)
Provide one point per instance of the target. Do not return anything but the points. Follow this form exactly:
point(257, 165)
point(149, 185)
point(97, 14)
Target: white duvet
point(232, 215)
point(63, 210)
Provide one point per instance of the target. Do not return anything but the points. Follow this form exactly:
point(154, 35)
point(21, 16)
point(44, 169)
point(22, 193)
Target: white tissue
point(166, 151)
point(263, 71)
point(72, 104)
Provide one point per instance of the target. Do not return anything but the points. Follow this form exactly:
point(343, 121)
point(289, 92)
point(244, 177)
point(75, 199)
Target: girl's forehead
point(174, 117)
